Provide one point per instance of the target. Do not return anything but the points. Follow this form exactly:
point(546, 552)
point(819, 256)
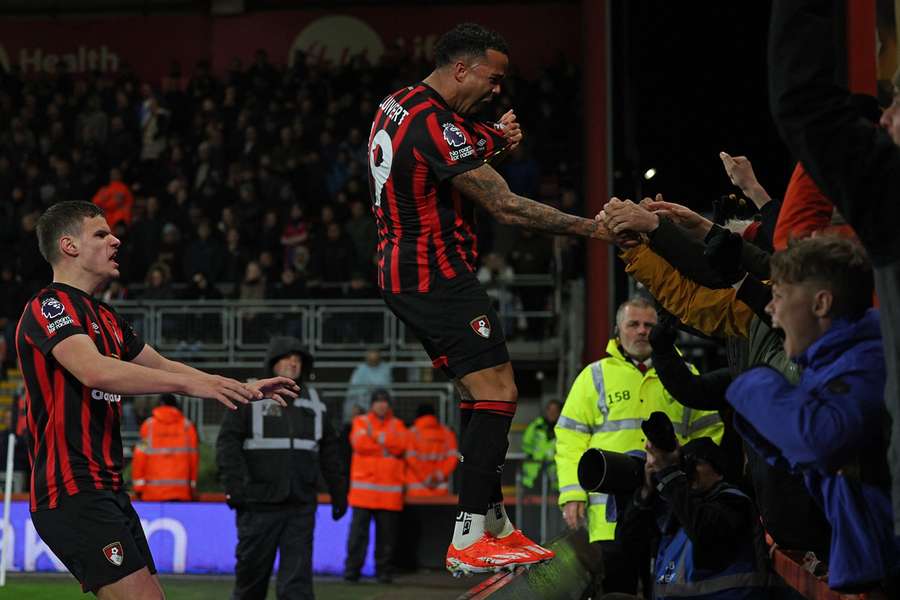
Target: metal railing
point(207, 414)
point(235, 333)
point(549, 518)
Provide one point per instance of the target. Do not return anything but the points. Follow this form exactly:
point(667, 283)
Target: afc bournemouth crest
point(113, 553)
point(481, 326)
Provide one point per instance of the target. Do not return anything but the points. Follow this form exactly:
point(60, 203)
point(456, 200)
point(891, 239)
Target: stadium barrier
point(185, 537)
point(236, 333)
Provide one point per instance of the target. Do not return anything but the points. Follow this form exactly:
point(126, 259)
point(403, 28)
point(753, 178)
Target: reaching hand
point(628, 239)
point(222, 389)
point(659, 459)
point(512, 131)
point(740, 172)
point(696, 225)
point(276, 388)
point(573, 514)
point(627, 216)
point(601, 231)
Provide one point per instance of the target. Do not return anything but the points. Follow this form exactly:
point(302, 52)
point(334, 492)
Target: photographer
point(711, 542)
point(604, 409)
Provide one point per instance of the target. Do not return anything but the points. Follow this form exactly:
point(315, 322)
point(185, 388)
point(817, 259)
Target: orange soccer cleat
point(487, 555)
point(519, 542)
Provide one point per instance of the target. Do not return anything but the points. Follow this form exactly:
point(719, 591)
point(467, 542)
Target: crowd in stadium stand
point(248, 185)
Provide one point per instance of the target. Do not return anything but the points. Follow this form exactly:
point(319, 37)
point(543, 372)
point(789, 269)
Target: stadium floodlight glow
point(649, 173)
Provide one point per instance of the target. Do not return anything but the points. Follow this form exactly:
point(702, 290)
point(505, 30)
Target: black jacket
point(717, 523)
point(685, 253)
point(269, 456)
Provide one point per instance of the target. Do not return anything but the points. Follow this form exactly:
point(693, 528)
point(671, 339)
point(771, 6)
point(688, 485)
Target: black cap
point(707, 450)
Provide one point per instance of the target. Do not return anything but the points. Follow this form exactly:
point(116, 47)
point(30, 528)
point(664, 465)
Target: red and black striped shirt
point(74, 443)
point(426, 228)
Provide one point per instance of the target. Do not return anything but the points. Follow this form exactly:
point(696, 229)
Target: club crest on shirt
point(114, 554)
point(453, 135)
point(481, 325)
point(52, 308)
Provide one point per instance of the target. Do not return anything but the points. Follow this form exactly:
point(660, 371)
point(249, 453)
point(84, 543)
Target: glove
point(338, 508)
point(728, 207)
point(723, 253)
point(235, 500)
point(663, 334)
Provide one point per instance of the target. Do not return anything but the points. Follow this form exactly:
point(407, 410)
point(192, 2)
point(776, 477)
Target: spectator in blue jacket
point(831, 425)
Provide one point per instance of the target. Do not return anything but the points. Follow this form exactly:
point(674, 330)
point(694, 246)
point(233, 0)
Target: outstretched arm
point(486, 187)
point(277, 388)
point(79, 356)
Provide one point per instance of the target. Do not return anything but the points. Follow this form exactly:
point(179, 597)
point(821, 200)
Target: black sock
point(497, 489)
point(483, 451)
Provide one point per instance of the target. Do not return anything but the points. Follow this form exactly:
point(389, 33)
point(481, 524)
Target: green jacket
point(539, 445)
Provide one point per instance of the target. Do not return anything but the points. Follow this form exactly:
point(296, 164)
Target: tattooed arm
point(486, 187)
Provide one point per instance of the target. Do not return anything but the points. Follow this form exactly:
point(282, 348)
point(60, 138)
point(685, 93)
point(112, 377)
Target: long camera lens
point(610, 472)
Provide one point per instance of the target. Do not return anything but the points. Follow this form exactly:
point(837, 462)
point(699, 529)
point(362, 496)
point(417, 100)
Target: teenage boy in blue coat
point(831, 425)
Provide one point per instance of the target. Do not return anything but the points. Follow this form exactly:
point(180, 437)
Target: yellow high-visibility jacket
point(604, 409)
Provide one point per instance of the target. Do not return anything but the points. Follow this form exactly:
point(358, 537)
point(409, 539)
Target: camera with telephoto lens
point(607, 472)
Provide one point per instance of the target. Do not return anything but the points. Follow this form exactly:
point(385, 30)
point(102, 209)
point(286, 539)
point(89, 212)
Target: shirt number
point(381, 156)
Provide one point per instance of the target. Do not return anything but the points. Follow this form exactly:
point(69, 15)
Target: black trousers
point(386, 528)
point(260, 535)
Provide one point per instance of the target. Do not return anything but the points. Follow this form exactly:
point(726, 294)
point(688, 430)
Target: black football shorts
point(97, 536)
point(456, 323)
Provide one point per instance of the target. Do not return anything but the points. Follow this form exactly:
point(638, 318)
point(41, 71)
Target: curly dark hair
point(467, 39)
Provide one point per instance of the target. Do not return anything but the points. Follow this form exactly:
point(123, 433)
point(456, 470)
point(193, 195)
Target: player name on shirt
point(393, 110)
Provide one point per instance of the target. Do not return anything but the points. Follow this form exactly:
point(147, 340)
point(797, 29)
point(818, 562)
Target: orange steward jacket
point(164, 466)
point(376, 469)
point(117, 202)
point(431, 457)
